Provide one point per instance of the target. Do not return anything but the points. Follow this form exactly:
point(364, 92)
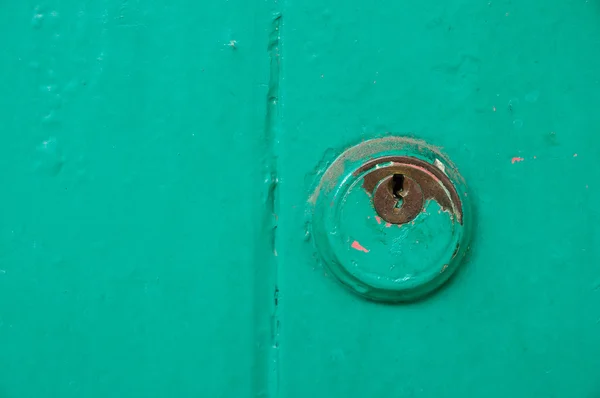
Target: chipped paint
point(428, 182)
point(365, 150)
point(357, 246)
point(403, 263)
point(440, 165)
point(516, 159)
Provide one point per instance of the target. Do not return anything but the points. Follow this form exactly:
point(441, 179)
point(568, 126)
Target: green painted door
point(159, 161)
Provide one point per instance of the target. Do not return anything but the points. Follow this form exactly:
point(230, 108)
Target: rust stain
point(426, 182)
point(364, 150)
point(516, 159)
point(359, 247)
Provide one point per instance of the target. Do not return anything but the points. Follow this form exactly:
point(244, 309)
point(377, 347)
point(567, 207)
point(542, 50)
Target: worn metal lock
point(391, 219)
point(400, 185)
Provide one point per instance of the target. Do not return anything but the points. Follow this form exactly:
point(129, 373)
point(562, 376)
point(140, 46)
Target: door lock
point(401, 185)
point(390, 219)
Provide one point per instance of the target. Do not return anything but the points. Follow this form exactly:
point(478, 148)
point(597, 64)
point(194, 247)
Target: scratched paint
point(147, 145)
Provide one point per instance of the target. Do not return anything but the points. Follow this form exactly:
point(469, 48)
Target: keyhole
point(397, 189)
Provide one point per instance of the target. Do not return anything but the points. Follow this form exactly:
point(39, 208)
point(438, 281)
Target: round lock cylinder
point(391, 219)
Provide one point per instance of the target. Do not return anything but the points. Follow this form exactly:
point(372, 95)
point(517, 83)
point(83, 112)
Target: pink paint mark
point(359, 247)
point(378, 219)
point(516, 159)
point(387, 224)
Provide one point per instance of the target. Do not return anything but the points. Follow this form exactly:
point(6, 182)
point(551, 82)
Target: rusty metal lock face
point(400, 185)
point(391, 219)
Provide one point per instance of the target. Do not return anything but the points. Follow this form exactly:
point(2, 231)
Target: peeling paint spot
point(516, 159)
point(387, 224)
point(362, 151)
point(378, 219)
point(359, 247)
point(440, 165)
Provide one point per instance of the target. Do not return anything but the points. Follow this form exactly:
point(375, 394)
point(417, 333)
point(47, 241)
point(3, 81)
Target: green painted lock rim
point(328, 199)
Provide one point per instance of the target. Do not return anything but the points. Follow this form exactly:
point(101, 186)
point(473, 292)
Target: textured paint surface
point(487, 81)
point(135, 255)
point(150, 148)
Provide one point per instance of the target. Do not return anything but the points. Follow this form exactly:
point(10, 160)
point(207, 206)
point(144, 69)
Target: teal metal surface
point(508, 91)
point(158, 160)
point(124, 270)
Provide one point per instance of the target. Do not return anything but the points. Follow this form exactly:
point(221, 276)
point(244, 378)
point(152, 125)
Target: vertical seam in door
point(268, 357)
point(273, 114)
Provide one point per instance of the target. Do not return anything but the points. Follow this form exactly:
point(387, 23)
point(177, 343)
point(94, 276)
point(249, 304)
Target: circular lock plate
point(391, 219)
